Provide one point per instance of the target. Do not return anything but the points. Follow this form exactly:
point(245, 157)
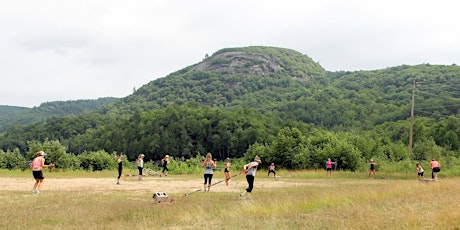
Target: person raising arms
point(372, 165)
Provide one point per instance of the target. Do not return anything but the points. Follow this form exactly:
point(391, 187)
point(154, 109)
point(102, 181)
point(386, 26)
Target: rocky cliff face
point(240, 62)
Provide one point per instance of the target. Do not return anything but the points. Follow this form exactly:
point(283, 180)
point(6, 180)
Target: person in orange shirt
point(435, 168)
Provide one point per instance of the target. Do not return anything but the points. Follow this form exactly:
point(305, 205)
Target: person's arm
point(214, 164)
point(253, 165)
point(43, 163)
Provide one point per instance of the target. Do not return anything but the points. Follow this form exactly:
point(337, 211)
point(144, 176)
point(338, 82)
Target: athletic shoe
point(33, 192)
point(37, 192)
point(241, 195)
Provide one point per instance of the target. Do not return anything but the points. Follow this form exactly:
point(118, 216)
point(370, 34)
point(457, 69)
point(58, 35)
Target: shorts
point(38, 175)
point(140, 169)
point(436, 169)
point(329, 169)
point(420, 173)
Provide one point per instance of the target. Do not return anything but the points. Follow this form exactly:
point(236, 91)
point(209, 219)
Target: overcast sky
point(59, 50)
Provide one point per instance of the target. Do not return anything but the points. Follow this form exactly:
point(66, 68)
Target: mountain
point(291, 85)
point(241, 96)
point(233, 77)
point(13, 115)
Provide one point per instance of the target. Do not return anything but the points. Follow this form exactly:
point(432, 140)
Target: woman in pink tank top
point(37, 166)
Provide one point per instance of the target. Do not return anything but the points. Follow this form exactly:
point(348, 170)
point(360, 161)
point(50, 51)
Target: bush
point(12, 160)
point(96, 161)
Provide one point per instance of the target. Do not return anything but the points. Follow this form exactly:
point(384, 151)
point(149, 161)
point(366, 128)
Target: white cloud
point(68, 50)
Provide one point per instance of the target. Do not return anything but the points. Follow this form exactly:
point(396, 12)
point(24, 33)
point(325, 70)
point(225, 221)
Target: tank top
point(36, 164)
point(420, 169)
point(140, 163)
point(208, 168)
point(252, 171)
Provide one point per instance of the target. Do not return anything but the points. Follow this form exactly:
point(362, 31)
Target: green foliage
point(12, 160)
point(242, 102)
point(98, 160)
point(13, 115)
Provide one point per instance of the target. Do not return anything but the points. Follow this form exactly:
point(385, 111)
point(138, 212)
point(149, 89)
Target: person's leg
point(205, 176)
point(227, 177)
point(210, 180)
point(36, 185)
point(250, 185)
point(140, 172)
point(39, 186)
point(119, 175)
point(246, 190)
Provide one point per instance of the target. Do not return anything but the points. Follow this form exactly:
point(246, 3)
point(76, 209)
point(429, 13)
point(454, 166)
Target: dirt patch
point(170, 184)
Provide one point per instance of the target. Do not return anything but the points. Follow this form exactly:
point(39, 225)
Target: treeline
point(244, 101)
point(13, 115)
point(190, 130)
point(182, 131)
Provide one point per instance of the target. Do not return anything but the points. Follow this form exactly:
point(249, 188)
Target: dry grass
point(298, 201)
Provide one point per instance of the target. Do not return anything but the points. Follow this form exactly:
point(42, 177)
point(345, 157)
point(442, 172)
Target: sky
point(61, 50)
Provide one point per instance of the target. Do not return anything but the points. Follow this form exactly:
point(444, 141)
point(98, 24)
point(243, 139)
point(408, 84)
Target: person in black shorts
point(140, 165)
point(120, 167)
point(271, 169)
point(227, 167)
point(372, 165)
point(165, 162)
point(37, 166)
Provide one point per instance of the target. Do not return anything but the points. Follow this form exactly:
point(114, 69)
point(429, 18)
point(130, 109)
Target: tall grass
point(306, 200)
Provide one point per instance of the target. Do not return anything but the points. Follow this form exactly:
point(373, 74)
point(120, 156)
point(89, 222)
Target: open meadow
point(294, 200)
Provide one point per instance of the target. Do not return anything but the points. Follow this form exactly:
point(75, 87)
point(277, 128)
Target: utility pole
point(411, 130)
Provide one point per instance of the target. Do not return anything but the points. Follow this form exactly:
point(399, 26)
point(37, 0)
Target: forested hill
point(238, 97)
point(256, 77)
point(14, 115)
point(291, 85)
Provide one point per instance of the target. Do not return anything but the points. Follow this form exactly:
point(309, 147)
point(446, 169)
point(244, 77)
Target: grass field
point(295, 200)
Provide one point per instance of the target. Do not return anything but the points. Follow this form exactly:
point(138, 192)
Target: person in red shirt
point(329, 164)
point(435, 168)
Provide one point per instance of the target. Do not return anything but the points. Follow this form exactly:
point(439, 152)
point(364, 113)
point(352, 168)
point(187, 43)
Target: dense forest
point(273, 102)
point(14, 115)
